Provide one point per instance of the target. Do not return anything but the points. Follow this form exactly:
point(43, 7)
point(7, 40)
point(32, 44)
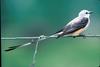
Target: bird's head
point(85, 13)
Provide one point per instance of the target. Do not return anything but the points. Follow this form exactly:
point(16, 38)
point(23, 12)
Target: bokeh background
point(45, 17)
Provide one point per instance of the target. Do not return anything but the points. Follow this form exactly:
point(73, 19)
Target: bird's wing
point(77, 25)
point(67, 25)
point(59, 30)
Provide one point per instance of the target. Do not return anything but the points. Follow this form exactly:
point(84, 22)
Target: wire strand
point(43, 37)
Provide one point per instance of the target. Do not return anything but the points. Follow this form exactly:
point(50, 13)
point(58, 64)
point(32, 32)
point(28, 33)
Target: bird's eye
point(86, 12)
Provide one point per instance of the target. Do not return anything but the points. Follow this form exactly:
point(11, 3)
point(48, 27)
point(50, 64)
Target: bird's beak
point(90, 12)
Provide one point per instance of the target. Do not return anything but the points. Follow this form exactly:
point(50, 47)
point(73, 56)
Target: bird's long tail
point(12, 48)
point(18, 46)
point(60, 35)
point(57, 35)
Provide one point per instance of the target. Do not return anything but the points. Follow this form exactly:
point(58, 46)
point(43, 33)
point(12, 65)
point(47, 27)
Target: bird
point(76, 26)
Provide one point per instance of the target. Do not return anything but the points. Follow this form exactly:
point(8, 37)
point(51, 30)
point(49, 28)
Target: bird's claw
point(74, 36)
point(83, 36)
point(80, 36)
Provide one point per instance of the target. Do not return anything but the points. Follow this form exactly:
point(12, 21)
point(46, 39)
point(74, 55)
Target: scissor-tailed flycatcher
point(74, 27)
point(77, 25)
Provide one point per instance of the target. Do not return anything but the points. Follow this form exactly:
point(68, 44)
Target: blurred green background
point(37, 17)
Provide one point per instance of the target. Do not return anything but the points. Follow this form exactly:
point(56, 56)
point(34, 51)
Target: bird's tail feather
point(15, 47)
point(59, 36)
point(12, 48)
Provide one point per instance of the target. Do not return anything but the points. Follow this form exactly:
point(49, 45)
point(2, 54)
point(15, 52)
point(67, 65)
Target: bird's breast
point(76, 33)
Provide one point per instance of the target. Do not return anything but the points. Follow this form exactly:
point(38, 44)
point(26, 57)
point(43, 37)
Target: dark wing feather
point(60, 30)
point(72, 28)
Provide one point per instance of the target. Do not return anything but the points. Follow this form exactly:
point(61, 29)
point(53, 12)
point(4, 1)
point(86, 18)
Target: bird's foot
point(74, 36)
point(82, 35)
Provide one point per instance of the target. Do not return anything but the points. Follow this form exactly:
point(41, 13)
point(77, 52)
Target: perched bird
point(74, 27)
point(77, 25)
